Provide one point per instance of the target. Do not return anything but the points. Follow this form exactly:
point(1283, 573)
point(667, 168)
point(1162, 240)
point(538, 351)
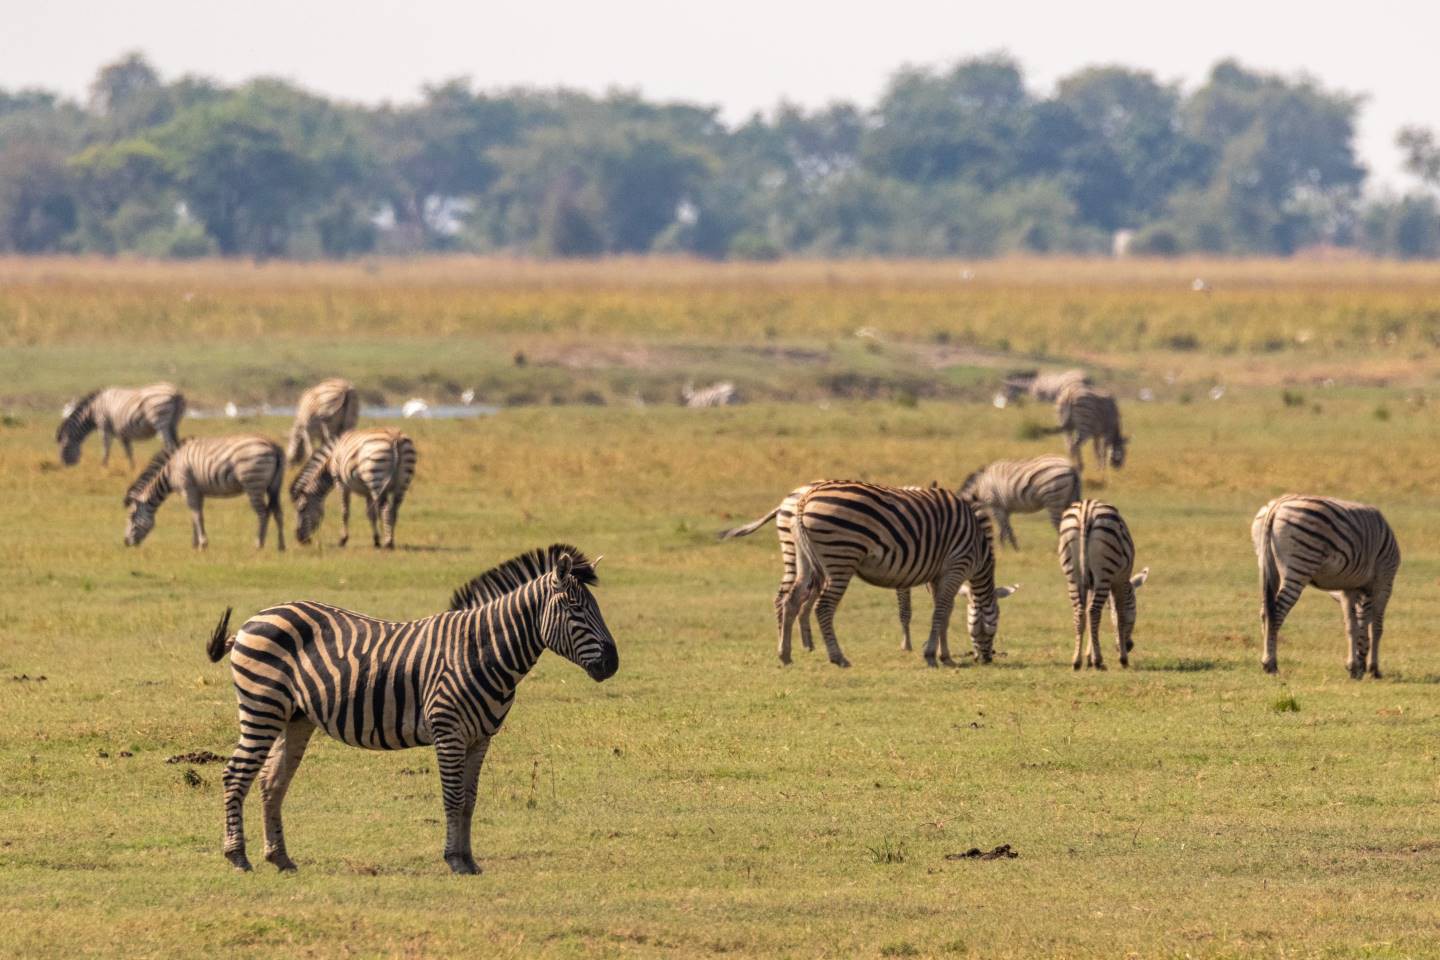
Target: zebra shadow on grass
point(1183, 665)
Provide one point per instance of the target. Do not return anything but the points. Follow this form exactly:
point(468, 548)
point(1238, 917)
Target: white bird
point(1200, 286)
point(415, 407)
point(231, 410)
point(468, 397)
point(1217, 392)
point(1146, 394)
point(1000, 401)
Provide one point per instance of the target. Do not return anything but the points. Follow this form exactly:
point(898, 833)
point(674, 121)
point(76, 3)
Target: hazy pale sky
point(743, 55)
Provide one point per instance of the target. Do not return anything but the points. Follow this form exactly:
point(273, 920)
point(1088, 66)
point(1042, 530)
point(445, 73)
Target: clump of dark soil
point(26, 678)
point(1002, 852)
point(196, 756)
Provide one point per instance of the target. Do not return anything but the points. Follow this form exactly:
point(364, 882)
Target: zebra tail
point(809, 574)
point(1082, 575)
point(749, 528)
point(219, 645)
point(294, 451)
point(1269, 573)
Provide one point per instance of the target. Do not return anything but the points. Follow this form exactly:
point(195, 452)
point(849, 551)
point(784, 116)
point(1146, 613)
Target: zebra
point(897, 537)
point(326, 410)
point(1023, 486)
point(377, 464)
point(782, 516)
point(1097, 555)
point(131, 415)
point(1346, 549)
point(1085, 413)
point(720, 394)
point(1044, 386)
point(210, 467)
point(447, 680)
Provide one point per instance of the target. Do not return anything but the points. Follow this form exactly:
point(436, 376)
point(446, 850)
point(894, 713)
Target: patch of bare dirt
point(1002, 852)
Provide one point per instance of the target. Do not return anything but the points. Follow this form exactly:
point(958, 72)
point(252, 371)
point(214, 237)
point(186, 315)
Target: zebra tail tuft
point(219, 645)
point(1269, 573)
point(748, 528)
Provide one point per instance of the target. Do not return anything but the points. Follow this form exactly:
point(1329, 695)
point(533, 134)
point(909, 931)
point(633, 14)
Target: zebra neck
point(159, 488)
point(505, 635)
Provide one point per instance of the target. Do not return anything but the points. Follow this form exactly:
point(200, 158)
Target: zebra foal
point(1097, 555)
point(210, 467)
point(376, 464)
point(325, 411)
point(1346, 549)
point(1023, 486)
point(130, 415)
point(447, 680)
point(896, 537)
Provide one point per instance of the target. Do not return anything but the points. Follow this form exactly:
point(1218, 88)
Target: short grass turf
point(707, 801)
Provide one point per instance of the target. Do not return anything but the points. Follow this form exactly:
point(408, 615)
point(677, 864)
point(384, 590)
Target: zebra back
point(518, 571)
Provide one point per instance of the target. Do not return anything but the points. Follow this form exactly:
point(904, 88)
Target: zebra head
point(572, 626)
point(308, 492)
point(142, 521)
point(78, 422)
point(1117, 450)
point(983, 617)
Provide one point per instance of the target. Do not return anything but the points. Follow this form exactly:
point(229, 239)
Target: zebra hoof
point(282, 862)
point(1270, 666)
point(784, 659)
point(238, 860)
point(930, 660)
point(1075, 665)
point(1125, 662)
point(841, 663)
point(462, 865)
point(948, 660)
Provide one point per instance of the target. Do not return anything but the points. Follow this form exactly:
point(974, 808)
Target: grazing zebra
point(447, 680)
point(210, 467)
point(1044, 386)
point(1023, 486)
point(893, 537)
point(782, 516)
point(377, 464)
point(131, 415)
point(325, 411)
point(721, 394)
point(1084, 414)
point(1097, 555)
point(1344, 548)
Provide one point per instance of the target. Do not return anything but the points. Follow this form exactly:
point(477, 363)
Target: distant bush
point(1292, 399)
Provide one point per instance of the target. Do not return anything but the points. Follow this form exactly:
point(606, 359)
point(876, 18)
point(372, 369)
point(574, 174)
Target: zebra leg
point(1376, 620)
point(284, 760)
point(944, 589)
point(259, 733)
point(344, 516)
point(790, 601)
point(474, 759)
point(261, 506)
point(106, 438)
point(196, 502)
point(1098, 599)
point(807, 638)
point(372, 512)
point(277, 512)
point(830, 595)
point(389, 510)
point(1078, 609)
point(129, 451)
point(1283, 603)
point(1072, 449)
point(1352, 612)
point(452, 756)
point(1122, 611)
point(902, 597)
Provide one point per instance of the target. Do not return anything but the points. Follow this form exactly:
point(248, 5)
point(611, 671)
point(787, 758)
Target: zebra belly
point(1331, 576)
point(878, 574)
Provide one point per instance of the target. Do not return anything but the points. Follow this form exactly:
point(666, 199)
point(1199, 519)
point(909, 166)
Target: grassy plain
point(706, 801)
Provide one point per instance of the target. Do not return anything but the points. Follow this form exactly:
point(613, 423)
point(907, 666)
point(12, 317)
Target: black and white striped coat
point(325, 411)
point(376, 464)
point(447, 680)
point(210, 467)
point(130, 415)
point(1044, 386)
point(1085, 413)
point(896, 537)
point(1097, 555)
point(1344, 548)
point(1023, 486)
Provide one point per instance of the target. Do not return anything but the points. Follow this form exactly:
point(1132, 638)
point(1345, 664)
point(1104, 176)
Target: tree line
point(957, 161)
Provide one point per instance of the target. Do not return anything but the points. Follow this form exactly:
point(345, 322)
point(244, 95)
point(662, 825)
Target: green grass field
point(707, 801)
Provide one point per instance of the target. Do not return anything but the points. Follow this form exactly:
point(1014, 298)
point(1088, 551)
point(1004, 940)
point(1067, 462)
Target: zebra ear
point(563, 565)
point(1139, 579)
point(1002, 592)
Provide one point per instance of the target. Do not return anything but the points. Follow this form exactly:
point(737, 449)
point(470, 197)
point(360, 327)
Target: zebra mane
point(967, 485)
point(518, 571)
point(147, 476)
point(79, 412)
point(306, 480)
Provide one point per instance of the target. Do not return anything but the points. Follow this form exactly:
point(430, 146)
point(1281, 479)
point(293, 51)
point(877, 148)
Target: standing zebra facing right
point(447, 680)
point(210, 467)
point(1344, 548)
point(131, 415)
point(896, 537)
point(1023, 486)
point(1097, 555)
point(326, 410)
point(377, 464)
point(1085, 413)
